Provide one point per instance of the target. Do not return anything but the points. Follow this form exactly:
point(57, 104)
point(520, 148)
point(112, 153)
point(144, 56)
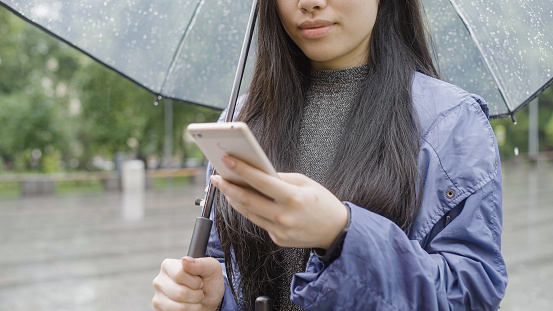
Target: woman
point(399, 204)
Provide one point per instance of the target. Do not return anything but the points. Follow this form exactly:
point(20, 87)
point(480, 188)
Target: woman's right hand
point(189, 284)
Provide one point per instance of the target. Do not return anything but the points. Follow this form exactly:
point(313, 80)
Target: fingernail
point(228, 162)
point(189, 259)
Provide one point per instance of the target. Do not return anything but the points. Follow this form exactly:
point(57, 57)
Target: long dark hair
point(378, 150)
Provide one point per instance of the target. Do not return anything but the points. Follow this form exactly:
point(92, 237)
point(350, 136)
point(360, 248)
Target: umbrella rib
point(536, 94)
point(481, 50)
point(99, 61)
point(181, 44)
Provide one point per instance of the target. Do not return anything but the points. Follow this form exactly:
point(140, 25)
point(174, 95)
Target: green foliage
point(51, 161)
point(9, 190)
point(511, 136)
point(546, 116)
point(90, 186)
point(60, 109)
point(31, 127)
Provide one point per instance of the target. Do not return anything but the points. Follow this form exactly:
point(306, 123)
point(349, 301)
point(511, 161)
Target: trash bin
point(133, 176)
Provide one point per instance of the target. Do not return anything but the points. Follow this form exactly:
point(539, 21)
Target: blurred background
point(75, 138)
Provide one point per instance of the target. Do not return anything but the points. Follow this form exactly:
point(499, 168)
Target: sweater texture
point(328, 102)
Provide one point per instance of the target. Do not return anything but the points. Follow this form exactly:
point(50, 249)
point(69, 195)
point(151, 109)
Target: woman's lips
point(315, 29)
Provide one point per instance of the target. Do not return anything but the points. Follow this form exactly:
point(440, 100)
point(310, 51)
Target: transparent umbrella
point(188, 49)
point(180, 49)
point(499, 49)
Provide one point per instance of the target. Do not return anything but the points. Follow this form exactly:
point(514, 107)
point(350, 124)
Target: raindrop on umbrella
point(156, 101)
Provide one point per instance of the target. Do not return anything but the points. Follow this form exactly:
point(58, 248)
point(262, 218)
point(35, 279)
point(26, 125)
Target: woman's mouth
point(315, 29)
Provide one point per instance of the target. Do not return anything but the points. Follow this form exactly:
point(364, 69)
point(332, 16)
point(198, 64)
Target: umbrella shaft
point(242, 63)
point(206, 211)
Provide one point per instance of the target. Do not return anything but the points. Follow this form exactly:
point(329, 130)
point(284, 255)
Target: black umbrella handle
point(202, 227)
point(200, 237)
point(263, 303)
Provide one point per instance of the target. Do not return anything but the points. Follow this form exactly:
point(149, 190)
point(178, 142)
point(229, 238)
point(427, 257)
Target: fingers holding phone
point(294, 209)
point(294, 212)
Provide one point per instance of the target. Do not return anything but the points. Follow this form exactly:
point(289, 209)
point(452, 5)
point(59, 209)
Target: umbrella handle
point(200, 237)
point(263, 303)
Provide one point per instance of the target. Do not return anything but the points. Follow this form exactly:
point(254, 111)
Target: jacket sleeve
point(381, 269)
point(458, 267)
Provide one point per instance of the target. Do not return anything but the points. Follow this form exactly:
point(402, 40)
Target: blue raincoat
point(451, 259)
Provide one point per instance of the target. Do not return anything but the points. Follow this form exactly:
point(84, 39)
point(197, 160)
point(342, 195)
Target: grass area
point(162, 183)
point(13, 190)
point(9, 190)
point(72, 187)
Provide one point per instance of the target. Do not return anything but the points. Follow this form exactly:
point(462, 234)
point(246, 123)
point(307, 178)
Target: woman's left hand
point(295, 210)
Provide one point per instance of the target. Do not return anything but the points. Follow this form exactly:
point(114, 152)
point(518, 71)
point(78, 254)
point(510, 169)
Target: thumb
point(205, 267)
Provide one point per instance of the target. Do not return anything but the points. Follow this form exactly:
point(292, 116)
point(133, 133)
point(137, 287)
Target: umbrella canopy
point(188, 49)
point(499, 49)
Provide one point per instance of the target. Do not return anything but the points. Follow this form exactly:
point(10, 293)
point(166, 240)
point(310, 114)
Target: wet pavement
point(101, 251)
point(528, 236)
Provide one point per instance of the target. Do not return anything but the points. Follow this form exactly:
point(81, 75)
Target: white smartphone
point(230, 138)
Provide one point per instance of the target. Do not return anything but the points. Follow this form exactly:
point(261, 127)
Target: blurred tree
point(32, 128)
point(546, 101)
point(33, 73)
point(511, 136)
point(119, 116)
point(59, 109)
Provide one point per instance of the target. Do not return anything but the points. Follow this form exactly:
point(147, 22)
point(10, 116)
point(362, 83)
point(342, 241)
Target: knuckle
point(156, 303)
point(283, 220)
point(278, 219)
point(165, 264)
point(156, 283)
point(294, 197)
point(183, 293)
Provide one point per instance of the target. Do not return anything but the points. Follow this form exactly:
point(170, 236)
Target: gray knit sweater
point(328, 102)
